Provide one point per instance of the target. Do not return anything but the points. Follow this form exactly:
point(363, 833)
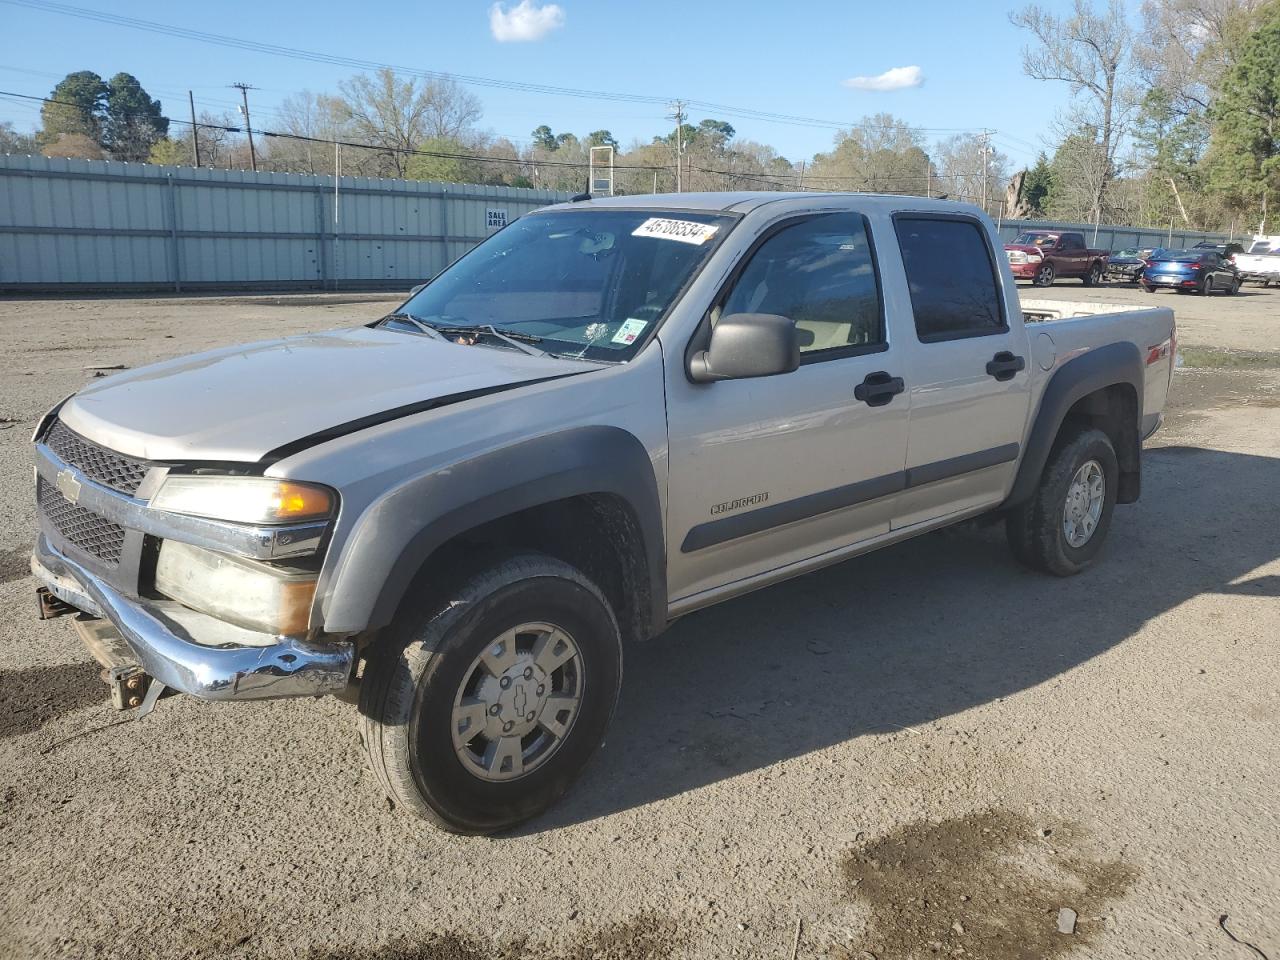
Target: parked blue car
point(1187, 271)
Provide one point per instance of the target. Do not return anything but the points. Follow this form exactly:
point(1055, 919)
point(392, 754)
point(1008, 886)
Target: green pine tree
point(1244, 158)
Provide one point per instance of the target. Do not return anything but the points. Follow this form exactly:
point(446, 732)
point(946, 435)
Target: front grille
point(82, 528)
point(105, 466)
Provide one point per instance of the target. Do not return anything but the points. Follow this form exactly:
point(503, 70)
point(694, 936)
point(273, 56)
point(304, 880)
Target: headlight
point(253, 595)
point(244, 499)
point(1035, 257)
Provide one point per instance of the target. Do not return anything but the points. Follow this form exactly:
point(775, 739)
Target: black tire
point(1045, 275)
point(1204, 289)
point(1094, 277)
point(1235, 287)
point(413, 674)
point(1035, 528)
point(1148, 288)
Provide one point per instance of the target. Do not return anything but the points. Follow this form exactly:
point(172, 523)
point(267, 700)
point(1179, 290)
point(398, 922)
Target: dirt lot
point(925, 752)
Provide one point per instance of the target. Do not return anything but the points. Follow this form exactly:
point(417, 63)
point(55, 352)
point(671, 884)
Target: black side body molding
point(814, 504)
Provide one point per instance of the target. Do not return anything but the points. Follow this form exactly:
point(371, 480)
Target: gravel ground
point(928, 751)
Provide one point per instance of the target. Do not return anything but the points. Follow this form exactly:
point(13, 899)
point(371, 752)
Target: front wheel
point(1044, 276)
point(1063, 526)
point(479, 709)
point(1148, 288)
point(1234, 288)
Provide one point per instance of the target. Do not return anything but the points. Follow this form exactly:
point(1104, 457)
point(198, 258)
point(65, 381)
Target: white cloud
point(525, 21)
point(895, 78)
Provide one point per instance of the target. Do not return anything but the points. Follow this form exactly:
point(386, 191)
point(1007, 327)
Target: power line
point(201, 36)
point(758, 176)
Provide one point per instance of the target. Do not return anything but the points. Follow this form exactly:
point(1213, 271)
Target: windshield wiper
point(521, 341)
point(415, 322)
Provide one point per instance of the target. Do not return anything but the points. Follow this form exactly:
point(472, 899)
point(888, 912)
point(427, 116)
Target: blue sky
point(786, 58)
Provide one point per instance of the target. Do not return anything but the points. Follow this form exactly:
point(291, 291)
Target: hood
point(1024, 247)
point(241, 403)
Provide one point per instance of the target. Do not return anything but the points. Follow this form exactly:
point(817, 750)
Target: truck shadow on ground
point(916, 632)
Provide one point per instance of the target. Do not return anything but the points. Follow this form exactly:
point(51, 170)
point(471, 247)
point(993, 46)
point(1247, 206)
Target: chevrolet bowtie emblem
point(68, 485)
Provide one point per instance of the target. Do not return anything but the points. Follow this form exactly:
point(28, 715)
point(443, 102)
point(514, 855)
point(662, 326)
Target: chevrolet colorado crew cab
point(1043, 256)
point(607, 415)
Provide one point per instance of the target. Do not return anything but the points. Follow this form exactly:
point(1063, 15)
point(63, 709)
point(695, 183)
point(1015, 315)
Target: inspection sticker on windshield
point(629, 331)
point(685, 231)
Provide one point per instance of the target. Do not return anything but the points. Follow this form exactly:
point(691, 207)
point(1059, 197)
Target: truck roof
point(747, 200)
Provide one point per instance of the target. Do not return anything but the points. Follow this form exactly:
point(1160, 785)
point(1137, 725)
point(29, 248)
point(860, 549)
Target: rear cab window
point(952, 277)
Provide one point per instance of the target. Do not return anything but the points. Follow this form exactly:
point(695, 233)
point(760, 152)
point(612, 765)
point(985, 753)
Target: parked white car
point(1262, 260)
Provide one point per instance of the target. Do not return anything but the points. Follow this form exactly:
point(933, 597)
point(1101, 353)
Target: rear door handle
point(878, 389)
point(1004, 365)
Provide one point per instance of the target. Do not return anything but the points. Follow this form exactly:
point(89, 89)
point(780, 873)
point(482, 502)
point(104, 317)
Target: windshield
point(1262, 246)
point(1127, 254)
point(584, 283)
point(1035, 239)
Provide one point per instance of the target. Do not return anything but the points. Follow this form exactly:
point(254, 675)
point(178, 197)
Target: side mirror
point(747, 345)
point(414, 291)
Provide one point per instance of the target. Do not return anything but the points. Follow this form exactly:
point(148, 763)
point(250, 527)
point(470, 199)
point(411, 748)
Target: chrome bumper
point(282, 668)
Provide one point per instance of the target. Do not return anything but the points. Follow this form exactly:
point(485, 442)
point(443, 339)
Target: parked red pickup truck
point(1042, 256)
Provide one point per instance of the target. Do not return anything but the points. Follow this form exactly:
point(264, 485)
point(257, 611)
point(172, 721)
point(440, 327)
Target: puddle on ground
point(646, 937)
point(987, 885)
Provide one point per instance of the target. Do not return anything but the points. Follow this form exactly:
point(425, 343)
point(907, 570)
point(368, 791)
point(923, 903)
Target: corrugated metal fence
point(103, 225)
point(1114, 238)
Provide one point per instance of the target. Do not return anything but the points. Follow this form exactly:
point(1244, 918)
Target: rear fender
point(1115, 363)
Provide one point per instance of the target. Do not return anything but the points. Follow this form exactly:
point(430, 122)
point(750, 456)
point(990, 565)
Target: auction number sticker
point(685, 231)
point(629, 331)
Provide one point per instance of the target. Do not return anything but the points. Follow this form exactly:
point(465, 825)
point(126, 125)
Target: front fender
point(396, 534)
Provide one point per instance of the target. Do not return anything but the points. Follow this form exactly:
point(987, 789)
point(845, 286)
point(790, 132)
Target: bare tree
point(1187, 45)
point(1091, 52)
point(396, 114)
point(965, 172)
point(880, 155)
point(311, 117)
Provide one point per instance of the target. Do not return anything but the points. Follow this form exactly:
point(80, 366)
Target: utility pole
point(678, 114)
point(800, 180)
point(195, 131)
point(244, 89)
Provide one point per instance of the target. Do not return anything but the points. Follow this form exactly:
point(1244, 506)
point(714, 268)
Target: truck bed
point(1073, 328)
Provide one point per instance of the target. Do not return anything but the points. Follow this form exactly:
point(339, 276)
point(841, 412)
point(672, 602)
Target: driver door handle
point(1004, 365)
point(878, 389)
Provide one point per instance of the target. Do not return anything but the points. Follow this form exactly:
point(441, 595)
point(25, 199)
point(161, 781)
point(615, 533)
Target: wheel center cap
point(515, 699)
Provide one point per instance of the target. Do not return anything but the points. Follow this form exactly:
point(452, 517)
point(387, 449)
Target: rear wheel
point(1148, 288)
point(1044, 276)
point(1061, 529)
point(1094, 276)
point(480, 709)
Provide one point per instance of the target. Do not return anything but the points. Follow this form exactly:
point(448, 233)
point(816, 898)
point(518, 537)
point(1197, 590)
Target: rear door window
point(951, 275)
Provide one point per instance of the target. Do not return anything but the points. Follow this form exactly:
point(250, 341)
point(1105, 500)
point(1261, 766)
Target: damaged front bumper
point(194, 653)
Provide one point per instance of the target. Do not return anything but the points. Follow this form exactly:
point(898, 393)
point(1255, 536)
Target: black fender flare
point(1115, 363)
point(398, 533)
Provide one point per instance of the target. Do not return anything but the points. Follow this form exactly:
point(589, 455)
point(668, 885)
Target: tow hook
point(132, 688)
point(50, 605)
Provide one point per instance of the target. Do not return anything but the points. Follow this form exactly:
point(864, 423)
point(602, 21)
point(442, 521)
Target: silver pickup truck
point(607, 415)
